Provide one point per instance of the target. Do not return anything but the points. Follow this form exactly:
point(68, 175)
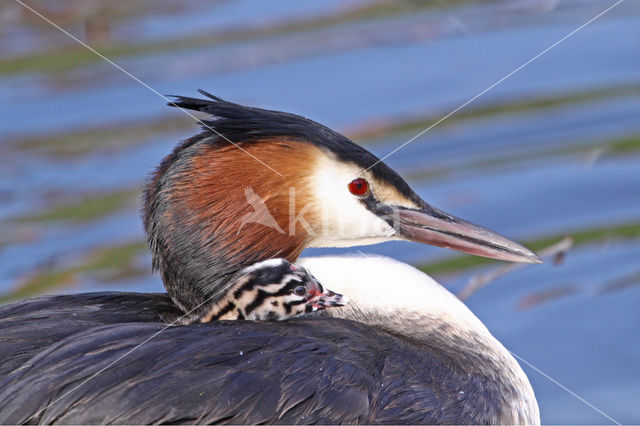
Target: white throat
point(384, 285)
point(397, 297)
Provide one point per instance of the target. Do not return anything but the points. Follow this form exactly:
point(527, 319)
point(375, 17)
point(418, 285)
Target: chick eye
point(300, 290)
point(359, 187)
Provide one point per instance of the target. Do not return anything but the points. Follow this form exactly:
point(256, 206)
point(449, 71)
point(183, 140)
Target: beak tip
point(536, 259)
point(531, 257)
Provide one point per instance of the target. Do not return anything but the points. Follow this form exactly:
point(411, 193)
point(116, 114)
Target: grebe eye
point(300, 290)
point(359, 187)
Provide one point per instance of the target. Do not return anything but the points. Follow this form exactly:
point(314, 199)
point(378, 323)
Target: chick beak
point(432, 226)
point(328, 299)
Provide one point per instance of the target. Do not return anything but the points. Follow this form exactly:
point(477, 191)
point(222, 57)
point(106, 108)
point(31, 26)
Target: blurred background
point(553, 151)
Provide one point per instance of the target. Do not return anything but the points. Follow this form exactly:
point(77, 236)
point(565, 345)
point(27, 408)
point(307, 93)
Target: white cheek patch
point(344, 220)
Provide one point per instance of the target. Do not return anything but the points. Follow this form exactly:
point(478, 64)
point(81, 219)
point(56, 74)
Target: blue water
point(524, 170)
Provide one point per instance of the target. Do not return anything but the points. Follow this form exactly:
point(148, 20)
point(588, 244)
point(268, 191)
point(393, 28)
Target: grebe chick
point(273, 289)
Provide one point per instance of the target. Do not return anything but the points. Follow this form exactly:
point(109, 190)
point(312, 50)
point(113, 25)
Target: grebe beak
point(432, 226)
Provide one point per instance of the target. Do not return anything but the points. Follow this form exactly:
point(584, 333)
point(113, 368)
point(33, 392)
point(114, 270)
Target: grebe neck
point(403, 301)
point(204, 216)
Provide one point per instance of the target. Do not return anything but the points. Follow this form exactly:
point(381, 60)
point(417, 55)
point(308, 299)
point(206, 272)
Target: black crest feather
point(238, 123)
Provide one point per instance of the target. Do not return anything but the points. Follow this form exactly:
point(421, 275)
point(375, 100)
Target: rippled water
point(552, 151)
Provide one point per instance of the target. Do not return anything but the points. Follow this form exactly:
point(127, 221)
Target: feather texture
point(318, 370)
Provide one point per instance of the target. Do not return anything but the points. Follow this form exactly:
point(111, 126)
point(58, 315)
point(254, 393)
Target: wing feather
point(77, 363)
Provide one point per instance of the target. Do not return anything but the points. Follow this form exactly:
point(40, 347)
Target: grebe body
point(407, 353)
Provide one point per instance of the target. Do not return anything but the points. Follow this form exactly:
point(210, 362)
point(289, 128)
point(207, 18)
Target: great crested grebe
point(403, 350)
point(317, 187)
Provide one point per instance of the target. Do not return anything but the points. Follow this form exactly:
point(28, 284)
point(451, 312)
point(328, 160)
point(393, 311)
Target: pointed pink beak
point(435, 227)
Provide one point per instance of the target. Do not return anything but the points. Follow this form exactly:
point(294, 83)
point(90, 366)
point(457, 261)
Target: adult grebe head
point(257, 184)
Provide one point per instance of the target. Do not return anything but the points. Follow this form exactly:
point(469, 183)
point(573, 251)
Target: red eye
point(359, 187)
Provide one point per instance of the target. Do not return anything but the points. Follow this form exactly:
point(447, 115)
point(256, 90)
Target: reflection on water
point(552, 151)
